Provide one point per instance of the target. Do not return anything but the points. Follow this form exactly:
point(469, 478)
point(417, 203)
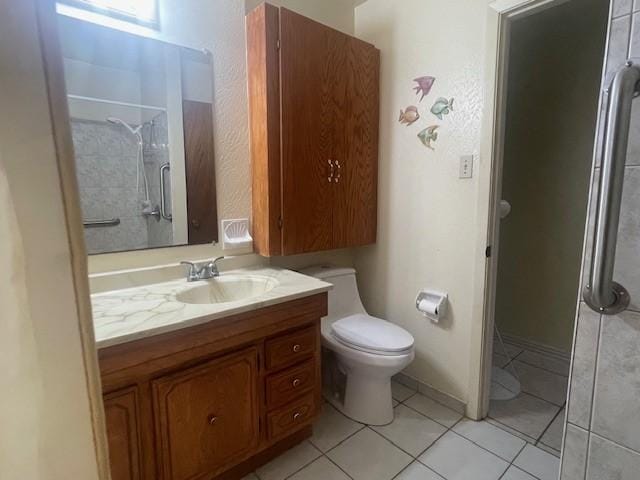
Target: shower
point(136, 132)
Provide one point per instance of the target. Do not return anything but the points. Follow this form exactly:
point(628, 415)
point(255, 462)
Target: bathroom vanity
point(209, 379)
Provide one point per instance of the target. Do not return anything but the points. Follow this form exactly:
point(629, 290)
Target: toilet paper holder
point(432, 304)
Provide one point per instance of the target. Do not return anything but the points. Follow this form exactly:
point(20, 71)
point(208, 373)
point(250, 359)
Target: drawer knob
point(296, 382)
point(212, 419)
point(296, 348)
point(296, 416)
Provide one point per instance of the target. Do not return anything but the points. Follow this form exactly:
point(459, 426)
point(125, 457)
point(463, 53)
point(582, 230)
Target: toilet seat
point(372, 335)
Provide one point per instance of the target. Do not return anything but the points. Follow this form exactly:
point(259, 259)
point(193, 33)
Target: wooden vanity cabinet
point(122, 420)
point(217, 400)
point(207, 416)
point(313, 105)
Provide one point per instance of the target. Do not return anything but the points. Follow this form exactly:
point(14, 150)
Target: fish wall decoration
point(424, 85)
point(442, 107)
point(429, 135)
point(409, 115)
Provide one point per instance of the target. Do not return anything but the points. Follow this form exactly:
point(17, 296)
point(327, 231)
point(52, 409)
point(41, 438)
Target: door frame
point(500, 15)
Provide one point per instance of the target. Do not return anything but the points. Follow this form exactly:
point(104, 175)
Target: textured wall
point(555, 65)
point(427, 215)
point(602, 433)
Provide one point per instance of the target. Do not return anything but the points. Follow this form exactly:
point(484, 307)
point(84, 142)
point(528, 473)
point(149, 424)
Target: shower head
point(117, 121)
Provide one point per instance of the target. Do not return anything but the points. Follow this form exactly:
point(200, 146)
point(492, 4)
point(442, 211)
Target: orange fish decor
point(409, 115)
point(424, 85)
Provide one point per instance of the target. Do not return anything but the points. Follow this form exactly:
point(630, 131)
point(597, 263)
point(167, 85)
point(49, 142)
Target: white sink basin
point(228, 288)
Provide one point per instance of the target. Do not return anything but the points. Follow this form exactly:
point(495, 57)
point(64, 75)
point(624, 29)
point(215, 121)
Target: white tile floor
point(426, 441)
point(537, 414)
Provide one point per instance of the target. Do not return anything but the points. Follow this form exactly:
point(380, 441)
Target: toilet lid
point(372, 334)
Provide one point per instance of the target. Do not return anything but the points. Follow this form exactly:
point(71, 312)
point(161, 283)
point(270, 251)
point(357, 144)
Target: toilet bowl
point(360, 352)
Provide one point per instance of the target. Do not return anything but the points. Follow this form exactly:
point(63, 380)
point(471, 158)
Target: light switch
point(466, 166)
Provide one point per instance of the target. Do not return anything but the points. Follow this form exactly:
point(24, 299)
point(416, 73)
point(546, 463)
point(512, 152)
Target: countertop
point(120, 316)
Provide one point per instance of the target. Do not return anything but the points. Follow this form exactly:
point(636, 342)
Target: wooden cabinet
point(207, 416)
point(313, 100)
point(121, 415)
point(217, 400)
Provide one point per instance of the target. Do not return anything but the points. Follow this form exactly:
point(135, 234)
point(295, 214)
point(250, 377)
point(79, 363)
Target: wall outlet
point(466, 166)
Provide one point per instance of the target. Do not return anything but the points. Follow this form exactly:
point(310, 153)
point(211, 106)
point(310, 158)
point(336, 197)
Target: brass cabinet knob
point(296, 416)
point(296, 382)
point(212, 419)
point(296, 348)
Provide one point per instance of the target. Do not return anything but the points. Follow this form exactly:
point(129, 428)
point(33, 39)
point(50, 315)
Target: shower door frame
point(500, 15)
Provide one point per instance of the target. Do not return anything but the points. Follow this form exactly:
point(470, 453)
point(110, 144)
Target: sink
point(227, 288)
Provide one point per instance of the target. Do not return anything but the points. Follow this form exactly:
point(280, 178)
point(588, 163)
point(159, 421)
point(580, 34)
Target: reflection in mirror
point(142, 125)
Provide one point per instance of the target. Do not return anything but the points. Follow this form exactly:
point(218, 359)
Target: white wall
point(45, 422)
point(88, 80)
point(426, 216)
point(338, 14)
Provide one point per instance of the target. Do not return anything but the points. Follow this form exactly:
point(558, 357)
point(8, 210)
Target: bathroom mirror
point(142, 126)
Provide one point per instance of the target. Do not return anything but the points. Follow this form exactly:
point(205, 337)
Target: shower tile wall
point(156, 153)
point(602, 433)
point(106, 169)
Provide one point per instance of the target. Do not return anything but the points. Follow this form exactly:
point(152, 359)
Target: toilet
point(360, 352)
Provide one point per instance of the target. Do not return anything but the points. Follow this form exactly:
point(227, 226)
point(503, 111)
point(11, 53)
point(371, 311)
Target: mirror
point(142, 126)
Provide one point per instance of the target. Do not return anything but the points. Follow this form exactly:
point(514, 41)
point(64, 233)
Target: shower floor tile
point(537, 413)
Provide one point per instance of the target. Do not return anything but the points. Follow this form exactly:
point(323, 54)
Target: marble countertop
point(120, 316)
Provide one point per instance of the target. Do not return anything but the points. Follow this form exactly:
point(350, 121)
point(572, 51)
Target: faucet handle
point(192, 273)
point(213, 266)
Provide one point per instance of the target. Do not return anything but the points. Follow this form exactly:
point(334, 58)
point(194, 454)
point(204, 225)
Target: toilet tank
point(344, 298)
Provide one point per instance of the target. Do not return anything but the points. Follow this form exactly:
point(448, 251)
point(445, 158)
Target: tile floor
point(426, 441)
point(537, 414)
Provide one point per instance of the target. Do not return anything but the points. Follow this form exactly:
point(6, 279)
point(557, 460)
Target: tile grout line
point(593, 395)
point(363, 426)
point(539, 439)
point(338, 466)
point(306, 464)
point(514, 459)
point(515, 429)
point(543, 368)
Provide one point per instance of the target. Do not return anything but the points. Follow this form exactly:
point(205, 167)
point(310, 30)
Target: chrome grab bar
point(601, 293)
point(163, 198)
point(111, 222)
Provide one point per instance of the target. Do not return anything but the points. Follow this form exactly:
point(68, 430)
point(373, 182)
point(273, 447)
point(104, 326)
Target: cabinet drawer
point(287, 385)
point(290, 417)
point(288, 349)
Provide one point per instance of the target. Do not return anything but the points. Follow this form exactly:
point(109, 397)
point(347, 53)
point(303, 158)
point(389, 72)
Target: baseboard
point(535, 346)
point(427, 390)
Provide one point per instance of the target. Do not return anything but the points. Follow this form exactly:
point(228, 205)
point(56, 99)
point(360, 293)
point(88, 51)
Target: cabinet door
point(312, 60)
point(121, 414)
point(207, 416)
point(355, 193)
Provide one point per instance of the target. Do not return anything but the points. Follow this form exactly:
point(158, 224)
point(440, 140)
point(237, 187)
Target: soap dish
point(235, 233)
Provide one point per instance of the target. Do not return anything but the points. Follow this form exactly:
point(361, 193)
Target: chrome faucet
point(202, 271)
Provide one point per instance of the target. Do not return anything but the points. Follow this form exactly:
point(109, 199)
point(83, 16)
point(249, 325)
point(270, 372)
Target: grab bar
point(111, 222)
point(163, 199)
point(601, 293)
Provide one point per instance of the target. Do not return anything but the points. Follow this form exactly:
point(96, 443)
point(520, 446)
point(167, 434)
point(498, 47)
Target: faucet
point(202, 271)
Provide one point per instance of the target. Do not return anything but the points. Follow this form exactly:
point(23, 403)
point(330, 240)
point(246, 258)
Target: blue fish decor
point(442, 107)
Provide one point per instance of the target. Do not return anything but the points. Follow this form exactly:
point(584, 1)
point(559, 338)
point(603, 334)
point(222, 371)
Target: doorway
point(550, 95)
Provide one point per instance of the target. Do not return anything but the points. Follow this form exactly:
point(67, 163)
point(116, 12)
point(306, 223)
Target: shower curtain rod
point(114, 102)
